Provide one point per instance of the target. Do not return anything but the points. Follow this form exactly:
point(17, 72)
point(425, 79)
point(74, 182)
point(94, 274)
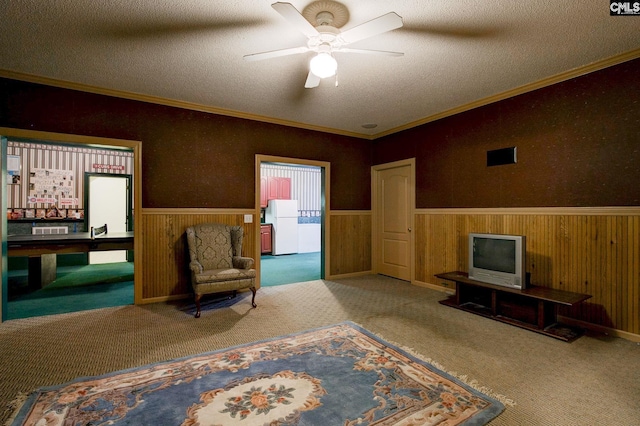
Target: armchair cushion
point(218, 275)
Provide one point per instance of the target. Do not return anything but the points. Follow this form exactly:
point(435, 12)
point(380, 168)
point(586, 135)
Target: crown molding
point(567, 75)
point(47, 81)
point(549, 81)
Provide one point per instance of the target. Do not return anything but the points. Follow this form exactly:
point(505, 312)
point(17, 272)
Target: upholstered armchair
point(216, 261)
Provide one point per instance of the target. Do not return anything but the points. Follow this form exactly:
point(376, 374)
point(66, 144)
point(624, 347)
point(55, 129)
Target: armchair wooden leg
point(253, 299)
point(197, 299)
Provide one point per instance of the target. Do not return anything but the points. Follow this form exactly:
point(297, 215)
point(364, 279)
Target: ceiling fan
point(325, 38)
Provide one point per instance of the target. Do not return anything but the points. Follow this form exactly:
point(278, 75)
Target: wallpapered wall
point(578, 145)
point(53, 175)
point(190, 159)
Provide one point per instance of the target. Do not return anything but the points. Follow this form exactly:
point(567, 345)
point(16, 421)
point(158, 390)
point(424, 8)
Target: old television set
point(498, 259)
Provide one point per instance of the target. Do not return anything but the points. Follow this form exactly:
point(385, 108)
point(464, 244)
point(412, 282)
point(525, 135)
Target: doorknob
point(409, 229)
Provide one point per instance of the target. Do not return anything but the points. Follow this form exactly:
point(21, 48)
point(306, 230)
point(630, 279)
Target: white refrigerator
point(283, 216)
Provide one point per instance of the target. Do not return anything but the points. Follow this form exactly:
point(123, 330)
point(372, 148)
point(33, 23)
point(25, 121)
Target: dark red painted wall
point(578, 144)
point(189, 158)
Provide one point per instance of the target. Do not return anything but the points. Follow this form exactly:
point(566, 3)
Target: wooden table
point(533, 308)
point(42, 250)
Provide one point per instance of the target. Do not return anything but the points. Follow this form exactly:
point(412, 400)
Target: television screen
point(494, 254)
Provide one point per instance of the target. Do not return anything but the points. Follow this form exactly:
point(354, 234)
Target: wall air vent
point(48, 230)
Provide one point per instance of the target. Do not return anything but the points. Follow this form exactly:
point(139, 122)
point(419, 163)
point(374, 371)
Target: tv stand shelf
point(534, 308)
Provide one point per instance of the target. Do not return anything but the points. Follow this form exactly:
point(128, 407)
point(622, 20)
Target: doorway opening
point(292, 199)
point(108, 200)
point(65, 157)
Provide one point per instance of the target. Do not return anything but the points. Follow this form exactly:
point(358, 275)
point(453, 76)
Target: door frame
point(324, 214)
point(3, 227)
point(89, 141)
point(375, 213)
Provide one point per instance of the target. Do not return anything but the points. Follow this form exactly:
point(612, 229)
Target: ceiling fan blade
point(275, 53)
point(312, 81)
point(295, 18)
point(376, 26)
point(369, 52)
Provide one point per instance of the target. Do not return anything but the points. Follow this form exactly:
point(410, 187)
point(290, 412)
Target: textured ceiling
point(457, 54)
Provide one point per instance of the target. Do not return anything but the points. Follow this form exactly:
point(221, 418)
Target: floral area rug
point(337, 375)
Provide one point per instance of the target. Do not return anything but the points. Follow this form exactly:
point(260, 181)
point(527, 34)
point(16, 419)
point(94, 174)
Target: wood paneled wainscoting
point(165, 254)
point(165, 257)
point(585, 250)
point(350, 242)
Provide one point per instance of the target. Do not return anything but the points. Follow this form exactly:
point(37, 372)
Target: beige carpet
point(593, 381)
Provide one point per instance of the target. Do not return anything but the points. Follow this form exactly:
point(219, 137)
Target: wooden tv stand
point(534, 308)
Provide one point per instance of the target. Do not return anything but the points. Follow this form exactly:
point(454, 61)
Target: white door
point(108, 204)
point(393, 210)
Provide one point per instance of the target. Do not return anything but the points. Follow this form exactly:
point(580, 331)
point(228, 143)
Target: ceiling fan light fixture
point(323, 65)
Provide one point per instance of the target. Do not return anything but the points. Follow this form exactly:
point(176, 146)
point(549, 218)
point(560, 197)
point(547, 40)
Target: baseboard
point(565, 320)
point(174, 297)
point(600, 329)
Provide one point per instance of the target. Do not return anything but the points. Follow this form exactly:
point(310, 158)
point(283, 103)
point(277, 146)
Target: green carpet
point(76, 288)
point(289, 268)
